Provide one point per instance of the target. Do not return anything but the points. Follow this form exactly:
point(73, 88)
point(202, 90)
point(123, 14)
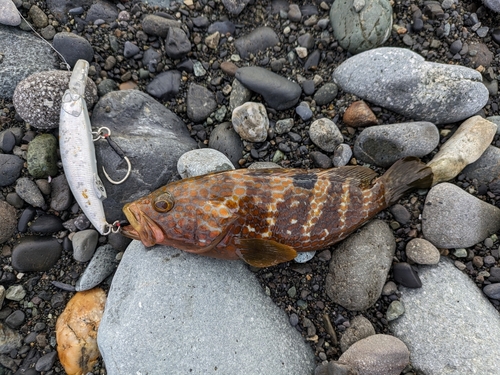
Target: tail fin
point(405, 175)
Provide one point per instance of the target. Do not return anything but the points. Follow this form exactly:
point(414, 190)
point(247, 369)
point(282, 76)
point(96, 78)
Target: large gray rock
point(360, 25)
point(359, 266)
point(383, 145)
point(37, 56)
point(197, 315)
point(278, 92)
point(453, 218)
point(486, 168)
point(402, 81)
point(448, 323)
point(150, 135)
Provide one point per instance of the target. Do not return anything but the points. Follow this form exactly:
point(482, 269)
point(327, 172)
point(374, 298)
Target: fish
point(265, 216)
point(78, 152)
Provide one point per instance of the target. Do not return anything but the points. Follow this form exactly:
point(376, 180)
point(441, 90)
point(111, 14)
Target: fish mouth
point(141, 227)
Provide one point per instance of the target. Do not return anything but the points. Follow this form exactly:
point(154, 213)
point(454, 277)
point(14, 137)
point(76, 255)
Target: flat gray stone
point(402, 81)
point(202, 161)
point(448, 324)
point(197, 315)
point(258, 40)
point(453, 218)
point(383, 145)
point(37, 56)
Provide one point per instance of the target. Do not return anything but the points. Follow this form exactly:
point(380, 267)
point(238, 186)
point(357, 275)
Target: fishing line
point(50, 45)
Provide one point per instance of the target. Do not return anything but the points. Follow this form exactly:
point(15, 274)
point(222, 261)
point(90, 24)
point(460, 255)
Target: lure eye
point(164, 202)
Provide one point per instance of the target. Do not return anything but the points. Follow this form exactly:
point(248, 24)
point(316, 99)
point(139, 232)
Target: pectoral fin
point(264, 253)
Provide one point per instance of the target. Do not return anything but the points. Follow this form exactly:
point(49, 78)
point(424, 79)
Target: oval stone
point(35, 254)
point(42, 156)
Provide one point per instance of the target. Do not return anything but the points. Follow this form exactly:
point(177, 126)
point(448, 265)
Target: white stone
point(199, 162)
point(251, 122)
point(325, 134)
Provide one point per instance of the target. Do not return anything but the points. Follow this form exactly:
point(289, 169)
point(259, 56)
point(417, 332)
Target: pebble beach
point(188, 88)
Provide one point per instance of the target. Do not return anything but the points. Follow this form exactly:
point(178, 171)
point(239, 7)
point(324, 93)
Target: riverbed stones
point(159, 26)
point(385, 144)
point(359, 114)
point(250, 121)
point(359, 328)
point(422, 251)
point(486, 168)
point(200, 102)
point(257, 40)
point(359, 266)
point(360, 25)
point(325, 134)
point(42, 156)
point(195, 340)
point(35, 254)
point(8, 14)
point(73, 47)
point(102, 264)
point(436, 340)
point(225, 139)
point(199, 162)
point(10, 169)
point(402, 81)
point(8, 223)
point(278, 92)
point(38, 97)
point(448, 213)
point(464, 147)
point(29, 192)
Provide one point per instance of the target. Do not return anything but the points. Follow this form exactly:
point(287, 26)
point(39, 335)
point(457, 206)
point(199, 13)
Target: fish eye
point(163, 202)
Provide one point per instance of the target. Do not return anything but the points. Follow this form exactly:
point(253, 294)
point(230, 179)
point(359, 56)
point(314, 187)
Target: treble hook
point(107, 136)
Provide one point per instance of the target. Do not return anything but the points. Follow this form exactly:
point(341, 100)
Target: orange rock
point(76, 331)
point(359, 114)
point(129, 85)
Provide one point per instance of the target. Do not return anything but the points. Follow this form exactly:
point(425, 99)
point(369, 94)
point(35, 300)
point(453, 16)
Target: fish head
point(186, 214)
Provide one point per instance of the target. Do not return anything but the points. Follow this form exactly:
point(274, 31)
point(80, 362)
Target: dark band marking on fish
point(305, 180)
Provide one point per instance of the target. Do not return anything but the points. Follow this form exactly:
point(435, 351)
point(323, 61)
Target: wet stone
point(258, 40)
point(46, 224)
point(405, 275)
point(326, 93)
point(34, 254)
point(73, 47)
point(225, 139)
point(7, 141)
point(46, 362)
point(400, 213)
point(177, 44)
point(10, 169)
point(321, 160)
point(16, 319)
point(159, 26)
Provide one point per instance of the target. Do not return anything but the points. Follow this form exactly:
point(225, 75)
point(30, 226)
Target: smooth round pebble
point(325, 134)
point(199, 162)
point(35, 254)
point(422, 251)
point(395, 310)
point(84, 244)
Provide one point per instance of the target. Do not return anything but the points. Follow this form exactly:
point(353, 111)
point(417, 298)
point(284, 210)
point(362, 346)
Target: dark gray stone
point(9, 339)
point(130, 49)
point(383, 145)
point(235, 6)
point(156, 25)
point(60, 196)
point(177, 43)
point(165, 85)
point(16, 319)
point(35, 254)
point(60, 8)
point(399, 80)
point(258, 40)
point(200, 102)
point(486, 168)
point(73, 47)
point(136, 120)
point(46, 361)
point(7, 141)
point(102, 10)
point(225, 139)
point(492, 291)
point(405, 275)
point(29, 192)
point(27, 215)
point(326, 93)
point(84, 244)
point(494, 5)
point(278, 92)
point(102, 264)
point(47, 224)
point(223, 27)
point(194, 340)
point(10, 169)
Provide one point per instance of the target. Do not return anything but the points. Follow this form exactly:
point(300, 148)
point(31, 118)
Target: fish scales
point(265, 216)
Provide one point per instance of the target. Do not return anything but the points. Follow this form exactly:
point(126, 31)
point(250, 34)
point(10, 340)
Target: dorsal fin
point(259, 252)
point(361, 175)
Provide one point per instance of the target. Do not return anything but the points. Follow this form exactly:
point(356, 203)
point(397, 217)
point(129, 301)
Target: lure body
point(78, 152)
point(266, 216)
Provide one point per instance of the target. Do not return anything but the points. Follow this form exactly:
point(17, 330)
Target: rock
point(398, 79)
point(16, 319)
point(437, 344)
point(326, 93)
point(9, 339)
point(400, 213)
point(200, 102)
point(325, 134)
point(252, 322)
point(60, 198)
point(422, 251)
point(15, 293)
point(304, 111)
point(7, 141)
point(394, 311)
point(360, 265)
point(250, 121)
point(29, 192)
point(377, 355)
point(135, 120)
point(27, 215)
point(239, 95)
point(383, 145)
point(38, 98)
point(73, 47)
point(46, 224)
point(278, 92)
point(42, 156)
point(46, 362)
point(8, 223)
point(492, 291)
point(494, 5)
point(223, 27)
point(283, 126)
point(102, 10)
point(405, 275)
point(235, 6)
point(165, 85)
point(452, 218)
point(225, 139)
point(76, 331)
point(464, 147)
point(321, 160)
point(130, 49)
point(37, 57)
point(199, 162)
point(342, 155)
point(8, 14)
point(159, 26)
point(359, 26)
point(35, 254)
point(84, 244)
point(177, 43)
point(258, 40)
point(359, 114)
point(486, 168)
point(480, 55)
point(359, 328)
point(102, 264)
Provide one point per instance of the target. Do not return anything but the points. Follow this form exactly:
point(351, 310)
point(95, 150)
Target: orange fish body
point(266, 216)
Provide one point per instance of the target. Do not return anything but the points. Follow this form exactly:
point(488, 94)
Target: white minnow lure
point(78, 152)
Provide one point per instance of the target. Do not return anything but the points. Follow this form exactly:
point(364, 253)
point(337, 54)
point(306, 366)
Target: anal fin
point(260, 252)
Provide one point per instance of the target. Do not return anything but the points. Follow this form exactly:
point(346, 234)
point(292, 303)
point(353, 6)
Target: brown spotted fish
point(266, 216)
